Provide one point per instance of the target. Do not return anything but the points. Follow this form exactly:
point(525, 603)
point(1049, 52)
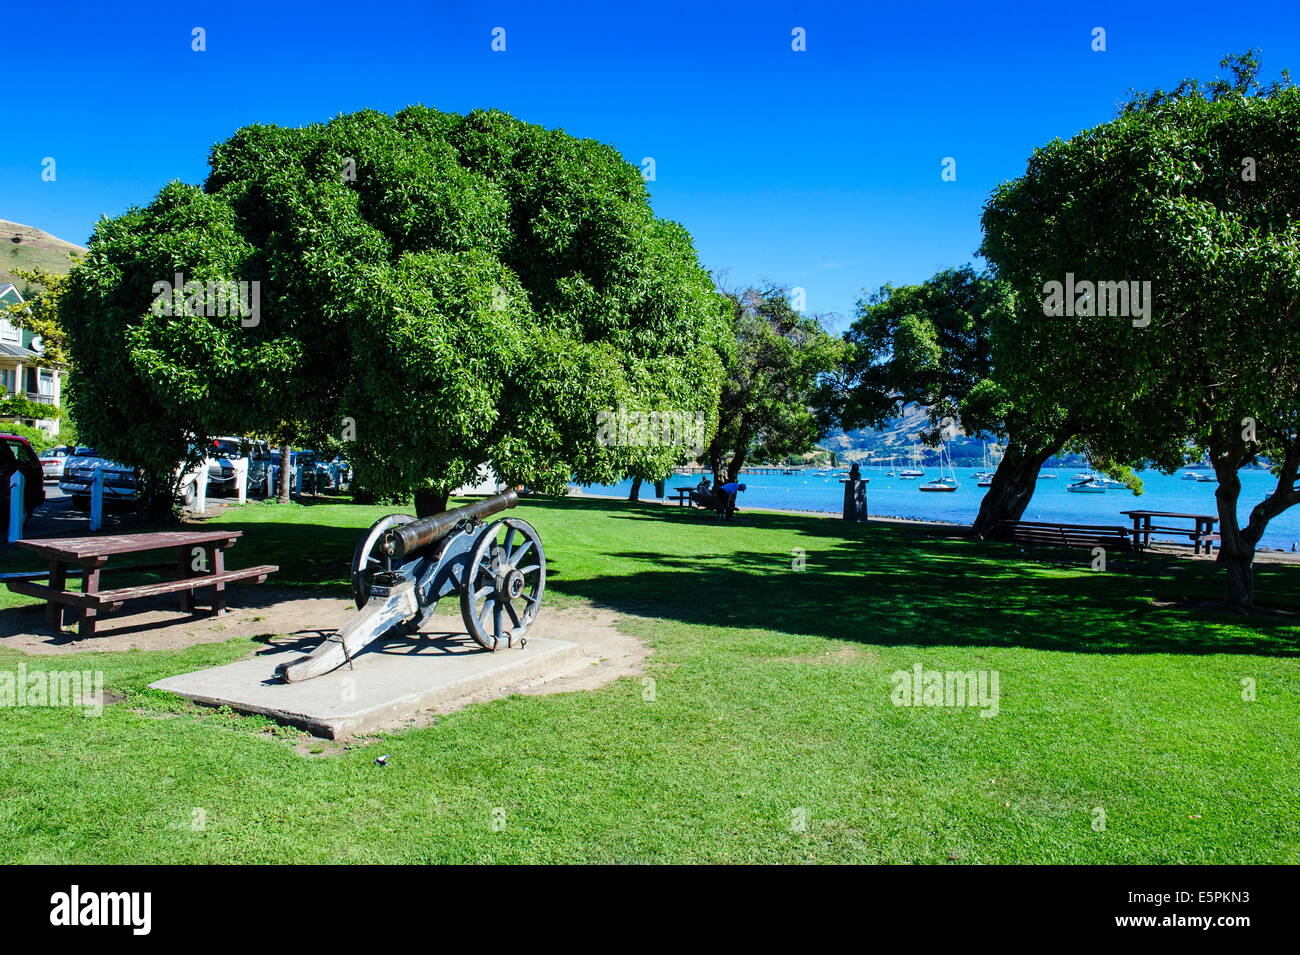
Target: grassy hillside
point(897, 438)
point(26, 248)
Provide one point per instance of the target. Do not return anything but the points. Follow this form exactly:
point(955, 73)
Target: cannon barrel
point(408, 538)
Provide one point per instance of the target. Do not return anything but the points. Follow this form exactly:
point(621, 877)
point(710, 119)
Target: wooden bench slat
point(1048, 534)
point(184, 583)
point(81, 571)
point(68, 598)
point(72, 598)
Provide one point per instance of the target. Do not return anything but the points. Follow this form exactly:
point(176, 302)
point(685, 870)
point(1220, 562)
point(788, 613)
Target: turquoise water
point(895, 497)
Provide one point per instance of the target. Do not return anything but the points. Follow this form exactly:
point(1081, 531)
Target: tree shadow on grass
point(894, 584)
point(877, 583)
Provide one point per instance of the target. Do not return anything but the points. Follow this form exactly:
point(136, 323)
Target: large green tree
point(1190, 200)
point(39, 314)
point(774, 396)
point(447, 291)
point(935, 345)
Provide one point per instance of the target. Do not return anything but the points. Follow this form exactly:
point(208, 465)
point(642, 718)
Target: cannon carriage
point(404, 566)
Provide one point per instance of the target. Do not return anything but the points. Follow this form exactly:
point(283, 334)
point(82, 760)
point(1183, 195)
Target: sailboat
point(1091, 482)
point(944, 482)
point(986, 476)
point(913, 472)
point(1089, 485)
point(890, 472)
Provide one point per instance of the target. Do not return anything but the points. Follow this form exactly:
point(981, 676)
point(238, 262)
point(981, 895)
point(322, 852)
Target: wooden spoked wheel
point(368, 560)
point(505, 577)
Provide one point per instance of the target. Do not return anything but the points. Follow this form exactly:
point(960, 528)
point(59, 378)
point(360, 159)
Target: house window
point(47, 383)
point(9, 332)
point(8, 379)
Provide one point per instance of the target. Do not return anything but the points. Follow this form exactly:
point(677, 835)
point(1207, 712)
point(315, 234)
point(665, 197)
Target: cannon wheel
point(505, 578)
point(367, 561)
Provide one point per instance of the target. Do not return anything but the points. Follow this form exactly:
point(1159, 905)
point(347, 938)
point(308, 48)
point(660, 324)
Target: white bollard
point(297, 481)
point(97, 500)
point(17, 484)
point(201, 489)
point(270, 483)
point(241, 479)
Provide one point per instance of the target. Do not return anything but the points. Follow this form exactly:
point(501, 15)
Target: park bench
point(1050, 534)
point(682, 495)
point(86, 557)
point(1201, 534)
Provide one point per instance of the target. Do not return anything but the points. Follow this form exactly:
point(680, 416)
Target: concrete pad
point(388, 684)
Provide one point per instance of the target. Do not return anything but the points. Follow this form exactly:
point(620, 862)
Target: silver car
point(52, 461)
point(221, 472)
point(79, 477)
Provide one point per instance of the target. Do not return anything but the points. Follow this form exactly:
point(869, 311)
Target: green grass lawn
point(771, 705)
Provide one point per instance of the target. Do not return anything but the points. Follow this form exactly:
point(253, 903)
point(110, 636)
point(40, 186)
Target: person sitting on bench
point(703, 496)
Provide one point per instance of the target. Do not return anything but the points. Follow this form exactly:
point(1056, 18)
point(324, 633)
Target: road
point(57, 516)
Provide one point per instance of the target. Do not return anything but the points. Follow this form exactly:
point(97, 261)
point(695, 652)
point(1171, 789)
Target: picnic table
point(1201, 533)
point(87, 556)
point(682, 495)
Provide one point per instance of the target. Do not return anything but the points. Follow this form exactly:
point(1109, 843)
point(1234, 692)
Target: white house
point(20, 376)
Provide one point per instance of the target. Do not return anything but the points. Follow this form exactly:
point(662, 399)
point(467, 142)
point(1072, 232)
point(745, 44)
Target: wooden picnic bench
point(1051, 534)
point(682, 495)
point(86, 557)
point(1201, 534)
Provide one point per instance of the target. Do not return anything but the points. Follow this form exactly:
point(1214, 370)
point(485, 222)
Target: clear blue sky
point(818, 169)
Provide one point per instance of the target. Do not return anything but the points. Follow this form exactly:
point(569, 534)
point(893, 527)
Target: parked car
point(221, 470)
point(119, 480)
point(53, 459)
point(16, 454)
point(79, 476)
point(315, 474)
point(340, 472)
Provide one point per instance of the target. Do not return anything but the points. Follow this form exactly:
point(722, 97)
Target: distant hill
point(899, 436)
point(25, 247)
point(896, 438)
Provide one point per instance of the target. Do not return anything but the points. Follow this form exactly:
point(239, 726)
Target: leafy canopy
point(1162, 195)
point(929, 344)
point(774, 395)
point(452, 290)
point(1196, 192)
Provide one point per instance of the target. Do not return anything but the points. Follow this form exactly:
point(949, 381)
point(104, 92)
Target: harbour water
point(898, 497)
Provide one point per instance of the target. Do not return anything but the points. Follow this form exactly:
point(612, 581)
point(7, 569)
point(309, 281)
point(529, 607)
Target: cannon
point(403, 566)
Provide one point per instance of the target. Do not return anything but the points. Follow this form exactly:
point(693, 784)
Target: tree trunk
point(715, 465)
point(737, 462)
point(153, 501)
point(428, 503)
point(286, 475)
point(1236, 545)
point(635, 493)
point(1013, 486)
